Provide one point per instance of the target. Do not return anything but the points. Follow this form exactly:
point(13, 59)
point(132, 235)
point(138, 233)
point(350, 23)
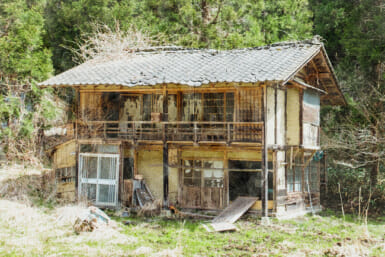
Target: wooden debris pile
point(90, 220)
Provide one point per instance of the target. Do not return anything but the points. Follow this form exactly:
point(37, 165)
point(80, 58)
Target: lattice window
point(312, 172)
point(294, 175)
point(204, 173)
point(66, 174)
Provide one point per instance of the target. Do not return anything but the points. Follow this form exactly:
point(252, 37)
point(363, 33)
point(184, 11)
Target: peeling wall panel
point(150, 165)
point(270, 119)
point(281, 117)
point(293, 122)
point(65, 155)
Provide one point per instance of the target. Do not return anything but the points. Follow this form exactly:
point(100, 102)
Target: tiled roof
point(192, 67)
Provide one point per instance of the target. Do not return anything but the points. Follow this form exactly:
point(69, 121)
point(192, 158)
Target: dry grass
point(37, 231)
point(31, 230)
point(28, 185)
point(27, 229)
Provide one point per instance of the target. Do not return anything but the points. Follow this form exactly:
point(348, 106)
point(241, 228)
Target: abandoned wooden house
point(200, 127)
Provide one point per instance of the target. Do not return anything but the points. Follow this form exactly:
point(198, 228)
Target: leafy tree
point(24, 109)
point(222, 24)
point(355, 37)
point(66, 21)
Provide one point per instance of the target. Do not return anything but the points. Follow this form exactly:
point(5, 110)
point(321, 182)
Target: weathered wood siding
point(64, 163)
point(311, 118)
point(91, 105)
point(280, 182)
point(65, 155)
point(281, 117)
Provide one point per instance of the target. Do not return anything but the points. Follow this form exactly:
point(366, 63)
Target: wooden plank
point(235, 210)
point(223, 226)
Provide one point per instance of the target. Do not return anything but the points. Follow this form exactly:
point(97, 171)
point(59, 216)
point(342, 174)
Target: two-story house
point(202, 127)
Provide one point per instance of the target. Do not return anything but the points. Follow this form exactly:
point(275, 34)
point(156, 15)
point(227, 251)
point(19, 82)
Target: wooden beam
point(311, 156)
point(325, 75)
point(265, 161)
point(307, 86)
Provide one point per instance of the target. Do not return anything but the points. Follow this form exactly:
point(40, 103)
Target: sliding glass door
point(98, 178)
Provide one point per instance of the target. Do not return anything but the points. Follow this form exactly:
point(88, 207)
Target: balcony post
point(195, 132)
point(228, 133)
point(133, 132)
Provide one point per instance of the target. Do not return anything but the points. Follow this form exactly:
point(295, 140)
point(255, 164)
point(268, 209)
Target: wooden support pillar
point(165, 174)
point(77, 111)
point(165, 147)
point(265, 168)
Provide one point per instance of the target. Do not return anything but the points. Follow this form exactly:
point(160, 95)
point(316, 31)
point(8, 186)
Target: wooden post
point(77, 111)
point(165, 147)
point(165, 174)
point(265, 168)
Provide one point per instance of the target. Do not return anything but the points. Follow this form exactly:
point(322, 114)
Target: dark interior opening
point(128, 168)
point(244, 184)
point(245, 179)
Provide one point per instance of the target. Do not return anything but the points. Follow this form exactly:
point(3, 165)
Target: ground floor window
point(98, 178)
point(64, 175)
point(203, 173)
point(294, 174)
point(312, 174)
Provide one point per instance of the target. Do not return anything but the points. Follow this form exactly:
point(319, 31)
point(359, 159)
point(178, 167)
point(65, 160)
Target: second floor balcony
point(180, 131)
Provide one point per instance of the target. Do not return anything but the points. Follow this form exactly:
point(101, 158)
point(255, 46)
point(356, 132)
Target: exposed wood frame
point(265, 186)
point(305, 86)
point(301, 66)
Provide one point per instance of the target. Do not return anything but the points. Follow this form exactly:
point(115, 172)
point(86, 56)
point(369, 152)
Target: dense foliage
point(355, 40)
point(24, 60)
point(205, 23)
point(37, 39)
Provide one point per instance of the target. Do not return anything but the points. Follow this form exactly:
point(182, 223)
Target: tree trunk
point(205, 20)
point(374, 173)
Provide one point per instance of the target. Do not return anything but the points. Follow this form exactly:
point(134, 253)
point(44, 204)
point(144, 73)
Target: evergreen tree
point(355, 38)
point(221, 24)
point(23, 61)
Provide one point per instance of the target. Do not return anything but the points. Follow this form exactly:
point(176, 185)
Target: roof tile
point(191, 67)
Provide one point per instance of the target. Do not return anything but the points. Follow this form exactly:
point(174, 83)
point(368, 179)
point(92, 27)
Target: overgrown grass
point(29, 227)
point(37, 231)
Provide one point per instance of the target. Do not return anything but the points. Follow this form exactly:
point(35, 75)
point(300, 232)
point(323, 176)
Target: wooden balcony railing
point(173, 131)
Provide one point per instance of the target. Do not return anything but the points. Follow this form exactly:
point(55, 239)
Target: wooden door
point(203, 184)
point(191, 184)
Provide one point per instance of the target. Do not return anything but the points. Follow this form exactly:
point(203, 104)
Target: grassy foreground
point(31, 226)
point(37, 231)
